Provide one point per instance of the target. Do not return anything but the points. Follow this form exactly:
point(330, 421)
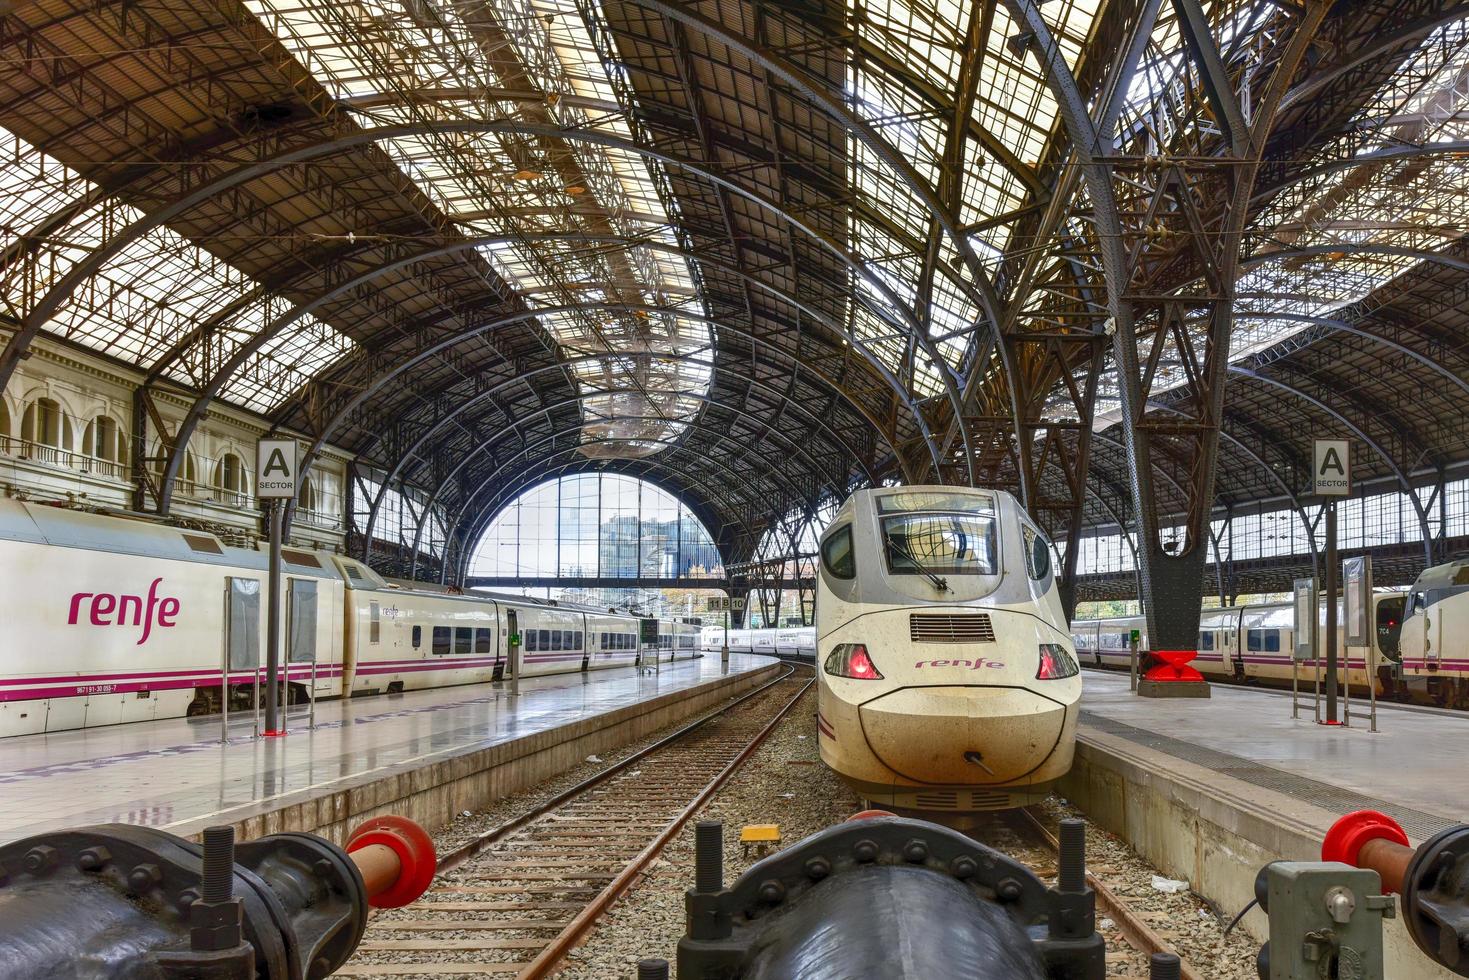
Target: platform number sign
point(724, 604)
point(275, 469)
point(1331, 468)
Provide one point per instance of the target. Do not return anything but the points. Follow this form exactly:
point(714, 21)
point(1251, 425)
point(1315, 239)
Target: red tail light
point(851, 660)
point(1056, 662)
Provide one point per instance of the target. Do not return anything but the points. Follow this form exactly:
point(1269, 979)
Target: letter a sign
point(275, 469)
point(1331, 468)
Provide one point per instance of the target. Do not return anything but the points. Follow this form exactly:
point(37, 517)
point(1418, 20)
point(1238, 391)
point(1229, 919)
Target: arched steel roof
point(760, 252)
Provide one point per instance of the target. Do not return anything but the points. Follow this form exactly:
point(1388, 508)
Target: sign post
point(275, 480)
point(1134, 638)
point(1356, 574)
point(724, 604)
point(1331, 475)
point(1304, 628)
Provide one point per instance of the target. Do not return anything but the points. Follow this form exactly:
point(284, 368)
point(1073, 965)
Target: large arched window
point(46, 428)
point(230, 477)
point(105, 442)
point(308, 495)
point(4, 426)
point(600, 526)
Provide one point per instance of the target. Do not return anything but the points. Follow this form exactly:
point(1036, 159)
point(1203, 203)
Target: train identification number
point(106, 609)
point(971, 664)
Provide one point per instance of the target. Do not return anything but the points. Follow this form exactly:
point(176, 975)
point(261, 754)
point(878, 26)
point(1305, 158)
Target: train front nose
point(964, 733)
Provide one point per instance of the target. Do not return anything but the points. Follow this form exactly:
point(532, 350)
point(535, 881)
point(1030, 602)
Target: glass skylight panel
point(154, 293)
point(508, 183)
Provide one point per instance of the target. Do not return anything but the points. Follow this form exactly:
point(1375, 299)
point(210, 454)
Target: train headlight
point(851, 660)
point(1056, 663)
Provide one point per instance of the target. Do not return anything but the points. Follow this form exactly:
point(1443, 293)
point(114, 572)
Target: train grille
point(940, 628)
point(948, 799)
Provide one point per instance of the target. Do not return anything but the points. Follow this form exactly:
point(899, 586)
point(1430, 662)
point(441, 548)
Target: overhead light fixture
point(575, 189)
point(526, 174)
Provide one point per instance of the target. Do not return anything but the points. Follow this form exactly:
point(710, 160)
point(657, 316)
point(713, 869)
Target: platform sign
point(1331, 467)
point(724, 604)
point(275, 469)
point(1356, 578)
point(1304, 610)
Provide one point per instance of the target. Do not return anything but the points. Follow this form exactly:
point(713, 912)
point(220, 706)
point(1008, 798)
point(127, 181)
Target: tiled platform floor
point(166, 773)
point(1413, 764)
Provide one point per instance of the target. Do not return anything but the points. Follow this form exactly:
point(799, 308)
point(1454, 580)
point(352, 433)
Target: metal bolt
point(143, 878)
point(817, 868)
point(652, 969)
point(963, 866)
point(39, 860)
point(709, 856)
point(1009, 890)
point(866, 851)
point(187, 897)
point(1072, 877)
point(772, 891)
point(1164, 966)
point(915, 851)
point(219, 864)
point(93, 859)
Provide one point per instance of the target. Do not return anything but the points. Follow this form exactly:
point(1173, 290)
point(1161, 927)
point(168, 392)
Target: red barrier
point(1173, 667)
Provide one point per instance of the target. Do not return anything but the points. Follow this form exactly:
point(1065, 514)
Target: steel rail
point(1138, 933)
point(457, 857)
point(549, 957)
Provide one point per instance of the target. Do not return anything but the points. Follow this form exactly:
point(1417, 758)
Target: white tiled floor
point(169, 772)
point(1416, 759)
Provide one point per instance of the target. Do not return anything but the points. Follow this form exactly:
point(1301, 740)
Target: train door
point(242, 633)
point(301, 635)
point(512, 645)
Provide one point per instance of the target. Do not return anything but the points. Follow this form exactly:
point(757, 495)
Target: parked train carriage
point(685, 640)
point(1434, 639)
point(614, 639)
point(796, 641)
point(1253, 643)
point(405, 639)
point(117, 620)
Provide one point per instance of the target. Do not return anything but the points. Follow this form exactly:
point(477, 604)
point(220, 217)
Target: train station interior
point(611, 488)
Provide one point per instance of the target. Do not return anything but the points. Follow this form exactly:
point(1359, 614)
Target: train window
point(578, 637)
point(1267, 641)
point(1253, 639)
point(568, 640)
point(1272, 641)
point(939, 544)
point(442, 636)
point(375, 623)
point(483, 640)
point(417, 637)
point(1206, 640)
point(463, 639)
point(556, 639)
point(1037, 553)
point(836, 553)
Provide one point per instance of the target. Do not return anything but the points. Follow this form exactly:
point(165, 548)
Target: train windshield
point(939, 544)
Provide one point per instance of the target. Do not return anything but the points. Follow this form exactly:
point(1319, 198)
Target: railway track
point(515, 900)
point(1141, 936)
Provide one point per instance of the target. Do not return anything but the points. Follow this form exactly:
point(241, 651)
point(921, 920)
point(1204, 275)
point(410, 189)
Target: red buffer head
point(1343, 842)
point(416, 858)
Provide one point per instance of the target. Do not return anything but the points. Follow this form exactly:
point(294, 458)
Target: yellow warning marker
point(761, 835)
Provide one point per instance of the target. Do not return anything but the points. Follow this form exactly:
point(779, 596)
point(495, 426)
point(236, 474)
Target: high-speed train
point(1433, 643)
point(785, 641)
point(111, 620)
point(947, 681)
point(1254, 643)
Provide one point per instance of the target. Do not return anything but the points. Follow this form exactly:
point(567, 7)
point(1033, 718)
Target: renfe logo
point(971, 664)
point(106, 609)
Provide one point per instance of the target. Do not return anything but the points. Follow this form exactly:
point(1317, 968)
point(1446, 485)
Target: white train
point(948, 681)
point(1254, 643)
point(112, 620)
point(1433, 643)
point(785, 641)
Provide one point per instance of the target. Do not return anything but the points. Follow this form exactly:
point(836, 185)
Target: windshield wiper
point(939, 582)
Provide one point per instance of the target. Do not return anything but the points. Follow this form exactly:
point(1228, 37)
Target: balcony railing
point(65, 458)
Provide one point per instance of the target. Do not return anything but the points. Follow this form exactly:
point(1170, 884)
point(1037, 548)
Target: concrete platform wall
point(434, 790)
point(1214, 831)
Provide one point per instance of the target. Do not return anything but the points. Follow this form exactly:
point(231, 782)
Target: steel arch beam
point(1379, 47)
point(781, 397)
point(1373, 444)
point(1357, 248)
point(1392, 154)
point(1341, 327)
point(640, 469)
point(319, 440)
point(58, 294)
point(719, 436)
point(815, 468)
